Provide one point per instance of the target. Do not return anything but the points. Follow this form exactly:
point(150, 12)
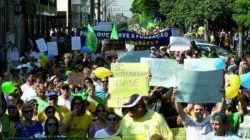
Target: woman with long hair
point(100, 122)
point(80, 119)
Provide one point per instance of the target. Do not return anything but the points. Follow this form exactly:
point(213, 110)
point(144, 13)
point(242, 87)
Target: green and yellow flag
point(91, 39)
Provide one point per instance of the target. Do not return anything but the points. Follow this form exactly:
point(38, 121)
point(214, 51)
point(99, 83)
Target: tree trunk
point(240, 51)
point(206, 30)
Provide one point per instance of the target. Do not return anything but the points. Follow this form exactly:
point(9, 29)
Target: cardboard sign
point(76, 43)
point(41, 44)
point(130, 69)
point(200, 64)
point(162, 71)
point(76, 78)
point(199, 87)
point(52, 48)
point(122, 88)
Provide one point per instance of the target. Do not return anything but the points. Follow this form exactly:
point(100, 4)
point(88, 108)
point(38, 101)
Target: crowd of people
point(46, 105)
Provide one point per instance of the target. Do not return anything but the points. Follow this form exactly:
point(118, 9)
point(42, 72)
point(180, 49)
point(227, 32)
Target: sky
point(123, 6)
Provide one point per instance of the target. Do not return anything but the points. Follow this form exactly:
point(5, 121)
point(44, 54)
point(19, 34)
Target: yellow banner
point(130, 69)
point(179, 133)
point(121, 88)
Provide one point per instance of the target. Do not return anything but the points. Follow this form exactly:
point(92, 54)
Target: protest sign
point(14, 55)
point(130, 69)
point(199, 87)
point(76, 78)
point(121, 88)
point(75, 43)
point(179, 133)
point(41, 44)
point(111, 44)
point(130, 47)
point(178, 43)
point(52, 48)
point(200, 64)
point(132, 56)
point(162, 71)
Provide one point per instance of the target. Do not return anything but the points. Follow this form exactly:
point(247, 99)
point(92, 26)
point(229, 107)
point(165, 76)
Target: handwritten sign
point(130, 69)
point(199, 87)
point(178, 43)
point(162, 71)
point(41, 44)
point(122, 88)
point(52, 48)
point(130, 47)
point(200, 64)
point(76, 43)
point(179, 133)
point(132, 56)
point(76, 78)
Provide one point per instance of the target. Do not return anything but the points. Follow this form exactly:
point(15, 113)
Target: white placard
point(36, 54)
point(62, 5)
point(76, 43)
point(52, 48)
point(14, 55)
point(41, 44)
point(178, 43)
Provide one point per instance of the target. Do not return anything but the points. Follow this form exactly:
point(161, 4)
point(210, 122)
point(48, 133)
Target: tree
point(241, 9)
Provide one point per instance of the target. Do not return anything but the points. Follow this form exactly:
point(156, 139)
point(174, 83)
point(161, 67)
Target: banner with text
point(132, 56)
point(199, 87)
point(122, 88)
point(162, 71)
point(160, 38)
point(130, 69)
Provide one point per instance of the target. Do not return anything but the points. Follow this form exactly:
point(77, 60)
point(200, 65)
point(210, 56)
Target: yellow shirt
point(64, 114)
point(80, 125)
point(151, 126)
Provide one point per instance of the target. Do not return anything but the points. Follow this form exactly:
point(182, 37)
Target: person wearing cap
point(28, 128)
point(219, 126)
point(62, 113)
point(65, 99)
point(143, 123)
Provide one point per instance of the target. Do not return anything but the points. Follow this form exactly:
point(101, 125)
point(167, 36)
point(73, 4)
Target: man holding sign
point(200, 125)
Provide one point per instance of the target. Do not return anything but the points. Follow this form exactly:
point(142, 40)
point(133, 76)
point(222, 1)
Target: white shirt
point(61, 101)
point(194, 129)
point(103, 134)
point(24, 87)
point(29, 94)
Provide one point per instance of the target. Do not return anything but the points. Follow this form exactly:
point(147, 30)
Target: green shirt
point(42, 104)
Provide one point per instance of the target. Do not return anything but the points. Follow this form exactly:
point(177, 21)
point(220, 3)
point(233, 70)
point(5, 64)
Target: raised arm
point(179, 107)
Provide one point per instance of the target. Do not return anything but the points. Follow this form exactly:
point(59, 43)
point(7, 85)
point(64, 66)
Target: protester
point(111, 129)
point(41, 97)
point(65, 99)
point(219, 127)
point(100, 121)
point(28, 128)
point(14, 118)
point(142, 122)
point(199, 126)
point(79, 122)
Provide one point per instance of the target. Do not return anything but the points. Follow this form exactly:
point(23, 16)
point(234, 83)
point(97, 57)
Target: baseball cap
point(51, 93)
point(133, 100)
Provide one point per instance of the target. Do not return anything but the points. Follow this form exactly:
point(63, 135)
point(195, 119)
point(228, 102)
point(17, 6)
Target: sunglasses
point(35, 104)
point(112, 119)
point(100, 110)
point(52, 124)
point(104, 81)
point(28, 111)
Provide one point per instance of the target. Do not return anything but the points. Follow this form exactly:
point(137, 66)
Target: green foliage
point(241, 9)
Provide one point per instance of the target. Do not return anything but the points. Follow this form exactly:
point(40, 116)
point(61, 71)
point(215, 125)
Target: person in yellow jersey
point(141, 123)
point(62, 113)
point(80, 119)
